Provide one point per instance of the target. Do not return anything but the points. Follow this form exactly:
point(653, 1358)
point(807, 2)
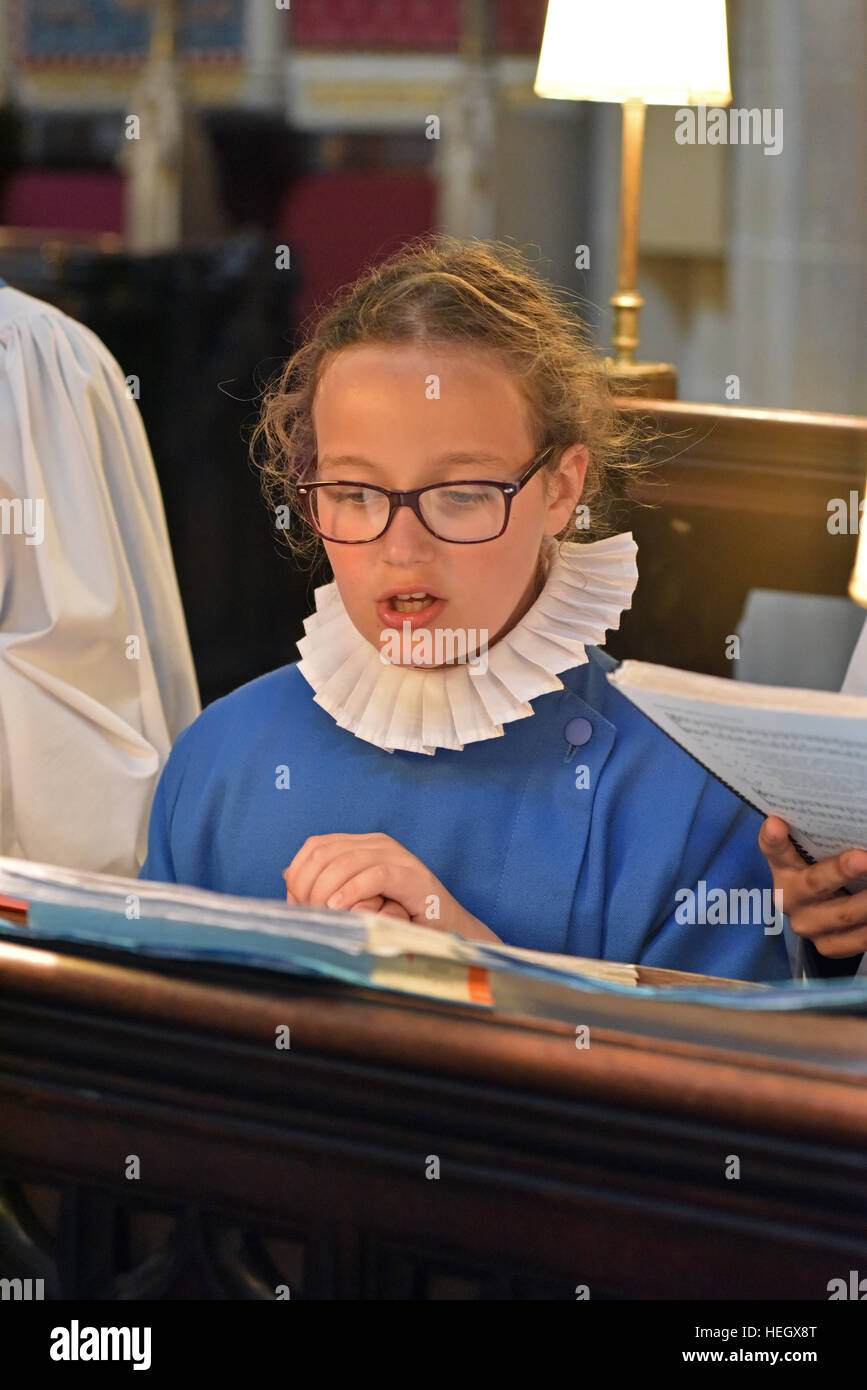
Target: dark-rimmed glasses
point(464, 513)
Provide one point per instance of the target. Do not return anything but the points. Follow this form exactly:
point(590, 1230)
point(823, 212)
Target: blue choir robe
point(588, 854)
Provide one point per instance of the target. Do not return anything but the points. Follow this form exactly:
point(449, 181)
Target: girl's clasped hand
point(374, 873)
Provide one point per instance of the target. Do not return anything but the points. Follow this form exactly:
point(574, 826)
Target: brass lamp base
point(628, 377)
point(655, 379)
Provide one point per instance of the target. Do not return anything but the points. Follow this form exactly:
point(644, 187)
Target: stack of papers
point(43, 903)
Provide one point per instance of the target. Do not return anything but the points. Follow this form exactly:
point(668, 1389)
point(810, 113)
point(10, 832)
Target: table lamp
point(638, 53)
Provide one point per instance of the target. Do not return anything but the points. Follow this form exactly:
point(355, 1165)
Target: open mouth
point(416, 608)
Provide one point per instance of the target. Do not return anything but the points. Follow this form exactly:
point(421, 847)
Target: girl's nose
point(406, 538)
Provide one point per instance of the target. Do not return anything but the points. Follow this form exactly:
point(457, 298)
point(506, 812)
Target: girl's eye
point(462, 500)
point(360, 497)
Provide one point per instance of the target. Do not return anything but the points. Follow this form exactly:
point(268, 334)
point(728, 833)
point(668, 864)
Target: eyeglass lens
point(457, 512)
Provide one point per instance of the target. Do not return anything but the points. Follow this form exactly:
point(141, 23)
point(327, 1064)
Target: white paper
point(798, 754)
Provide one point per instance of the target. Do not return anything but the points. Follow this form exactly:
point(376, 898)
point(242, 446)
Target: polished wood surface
point(717, 456)
point(559, 1166)
point(735, 499)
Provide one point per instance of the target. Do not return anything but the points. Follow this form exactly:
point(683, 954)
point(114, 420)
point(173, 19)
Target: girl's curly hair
point(441, 290)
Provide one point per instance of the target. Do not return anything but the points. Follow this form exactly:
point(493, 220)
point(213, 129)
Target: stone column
point(466, 150)
point(799, 218)
point(5, 52)
point(153, 158)
point(264, 50)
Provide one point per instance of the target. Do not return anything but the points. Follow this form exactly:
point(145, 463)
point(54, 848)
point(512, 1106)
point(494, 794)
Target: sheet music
point(807, 765)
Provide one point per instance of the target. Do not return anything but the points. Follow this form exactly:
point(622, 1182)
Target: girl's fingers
point(827, 877)
point(309, 862)
point(325, 872)
point(820, 880)
point(346, 869)
point(369, 905)
point(386, 907)
point(366, 883)
point(776, 846)
point(316, 857)
point(393, 909)
point(833, 916)
point(836, 944)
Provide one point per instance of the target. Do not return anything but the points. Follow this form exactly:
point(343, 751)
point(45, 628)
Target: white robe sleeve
point(96, 673)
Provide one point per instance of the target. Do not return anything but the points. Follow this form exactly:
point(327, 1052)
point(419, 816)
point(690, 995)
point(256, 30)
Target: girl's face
point(375, 423)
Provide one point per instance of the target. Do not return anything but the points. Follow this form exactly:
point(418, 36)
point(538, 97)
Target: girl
point(448, 749)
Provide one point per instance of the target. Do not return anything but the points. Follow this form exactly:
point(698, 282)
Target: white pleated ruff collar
point(587, 587)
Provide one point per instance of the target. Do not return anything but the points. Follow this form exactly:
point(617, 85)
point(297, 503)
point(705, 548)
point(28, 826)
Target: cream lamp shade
point(662, 52)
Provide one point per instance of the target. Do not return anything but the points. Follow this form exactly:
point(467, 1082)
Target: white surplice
point(96, 673)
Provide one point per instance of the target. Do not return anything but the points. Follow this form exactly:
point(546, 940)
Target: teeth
point(411, 603)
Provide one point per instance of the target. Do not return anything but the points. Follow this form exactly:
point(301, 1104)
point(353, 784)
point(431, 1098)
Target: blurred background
point(308, 127)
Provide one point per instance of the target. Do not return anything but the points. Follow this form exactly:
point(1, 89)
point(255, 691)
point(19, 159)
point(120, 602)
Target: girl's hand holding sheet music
point(374, 873)
point(835, 922)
